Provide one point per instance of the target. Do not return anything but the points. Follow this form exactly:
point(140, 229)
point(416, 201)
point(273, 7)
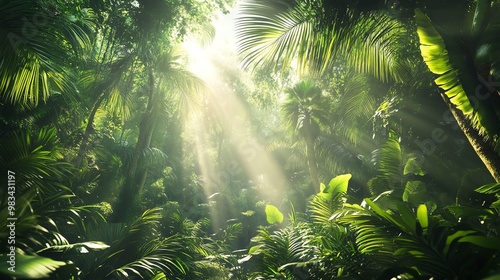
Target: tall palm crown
point(305, 111)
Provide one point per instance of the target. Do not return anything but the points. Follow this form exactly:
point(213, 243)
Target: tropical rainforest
point(250, 139)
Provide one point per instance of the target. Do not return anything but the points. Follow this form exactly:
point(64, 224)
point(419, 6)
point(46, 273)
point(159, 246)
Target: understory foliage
point(378, 238)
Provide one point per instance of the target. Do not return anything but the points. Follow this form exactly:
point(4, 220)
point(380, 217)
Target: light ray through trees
point(223, 127)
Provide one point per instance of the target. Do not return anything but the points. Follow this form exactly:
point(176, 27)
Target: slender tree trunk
point(483, 149)
point(311, 163)
point(88, 131)
point(129, 198)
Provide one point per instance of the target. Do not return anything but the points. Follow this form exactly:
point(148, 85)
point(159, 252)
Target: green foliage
point(283, 253)
point(436, 57)
point(30, 267)
point(457, 87)
point(315, 33)
point(38, 40)
point(273, 214)
point(493, 188)
point(325, 204)
point(136, 249)
point(374, 240)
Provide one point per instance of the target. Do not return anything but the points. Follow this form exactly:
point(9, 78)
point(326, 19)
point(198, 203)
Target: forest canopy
point(251, 139)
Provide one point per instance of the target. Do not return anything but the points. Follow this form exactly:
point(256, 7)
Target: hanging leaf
point(435, 55)
point(273, 215)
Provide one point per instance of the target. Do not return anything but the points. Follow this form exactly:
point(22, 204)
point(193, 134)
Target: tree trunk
point(129, 198)
point(311, 163)
point(88, 131)
point(483, 149)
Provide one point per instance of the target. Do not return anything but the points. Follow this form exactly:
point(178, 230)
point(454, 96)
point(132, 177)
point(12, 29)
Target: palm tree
point(305, 111)
point(466, 72)
point(166, 79)
point(107, 76)
point(113, 88)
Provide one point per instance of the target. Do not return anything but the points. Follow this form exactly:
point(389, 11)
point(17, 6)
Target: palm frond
point(335, 158)
point(165, 255)
point(279, 252)
point(34, 157)
point(280, 32)
point(30, 267)
point(272, 30)
point(435, 55)
point(137, 249)
point(180, 84)
point(33, 57)
point(354, 109)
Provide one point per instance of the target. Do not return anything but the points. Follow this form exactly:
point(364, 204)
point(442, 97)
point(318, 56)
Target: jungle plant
point(43, 206)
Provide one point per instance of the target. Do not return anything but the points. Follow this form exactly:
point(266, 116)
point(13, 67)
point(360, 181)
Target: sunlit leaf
point(273, 214)
point(338, 184)
point(414, 192)
point(435, 55)
point(412, 167)
point(422, 216)
point(30, 266)
point(492, 188)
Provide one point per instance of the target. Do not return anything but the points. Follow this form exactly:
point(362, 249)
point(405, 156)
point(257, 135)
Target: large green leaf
point(273, 214)
point(412, 167)
point(338, 184)
point(436, 57)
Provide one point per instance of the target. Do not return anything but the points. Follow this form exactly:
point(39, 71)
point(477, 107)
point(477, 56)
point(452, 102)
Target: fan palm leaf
point(35, 38)
point(35, 158)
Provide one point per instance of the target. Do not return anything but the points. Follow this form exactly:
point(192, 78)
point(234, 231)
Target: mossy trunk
point(484, 149)
point(311, 163)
